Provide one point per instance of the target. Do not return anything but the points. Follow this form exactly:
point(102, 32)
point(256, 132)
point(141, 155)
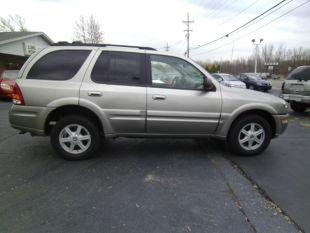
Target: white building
point(16, 47)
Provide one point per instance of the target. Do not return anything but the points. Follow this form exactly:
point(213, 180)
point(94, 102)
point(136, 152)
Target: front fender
point(227, 119)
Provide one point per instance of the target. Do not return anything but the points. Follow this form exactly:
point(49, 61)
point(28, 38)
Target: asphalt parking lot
point(155, 185)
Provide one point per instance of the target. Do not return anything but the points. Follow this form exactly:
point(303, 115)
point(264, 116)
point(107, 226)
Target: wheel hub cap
point(75, 139)
point(251, 136)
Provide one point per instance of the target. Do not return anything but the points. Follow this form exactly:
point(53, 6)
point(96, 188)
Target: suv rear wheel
point(249, 135)
point(298, 107)
point(75, 137)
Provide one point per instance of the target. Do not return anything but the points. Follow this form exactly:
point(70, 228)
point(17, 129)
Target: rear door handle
point(94, 93)
point(159, 97)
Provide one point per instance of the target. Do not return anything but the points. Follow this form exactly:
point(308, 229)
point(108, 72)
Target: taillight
point(17, 96)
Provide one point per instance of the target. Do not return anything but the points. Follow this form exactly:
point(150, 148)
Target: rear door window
point(119, 68)
point(301, 73)
point(58, 65)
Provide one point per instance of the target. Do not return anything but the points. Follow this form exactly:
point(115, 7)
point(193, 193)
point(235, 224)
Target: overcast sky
point(156, 22)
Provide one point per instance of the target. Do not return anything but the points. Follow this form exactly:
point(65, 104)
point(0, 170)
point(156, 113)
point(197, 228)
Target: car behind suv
point(7, 82)
point(228, 80)
point(296, 89)
point(255, 82)
point(81, 94)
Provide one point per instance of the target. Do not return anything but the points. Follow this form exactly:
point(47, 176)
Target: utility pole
point(167, 47)
point(232, 51)
point(187, 30)
point(256, 52)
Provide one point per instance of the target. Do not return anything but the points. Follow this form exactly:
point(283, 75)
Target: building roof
point(8, 37)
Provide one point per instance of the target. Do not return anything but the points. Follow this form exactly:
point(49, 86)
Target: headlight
point(285, 106)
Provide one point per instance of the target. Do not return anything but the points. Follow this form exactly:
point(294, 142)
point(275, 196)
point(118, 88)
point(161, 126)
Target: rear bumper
point(295, 97)
point(281, 123)
point(29, 118)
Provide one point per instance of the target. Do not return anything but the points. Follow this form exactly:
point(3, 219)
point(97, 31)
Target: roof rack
point(78, 43)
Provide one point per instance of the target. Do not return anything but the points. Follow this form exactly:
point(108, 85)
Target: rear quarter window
point(58, 65)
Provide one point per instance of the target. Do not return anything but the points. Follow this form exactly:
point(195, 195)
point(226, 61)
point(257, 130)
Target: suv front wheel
point(75, 137)
point(249, 135)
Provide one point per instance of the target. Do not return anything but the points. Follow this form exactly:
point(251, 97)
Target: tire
point(298, 107)
point(78, 131)
point(244, 124)
point(251, 87)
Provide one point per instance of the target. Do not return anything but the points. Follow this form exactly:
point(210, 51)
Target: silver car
point(79, 94)
point(229, 80)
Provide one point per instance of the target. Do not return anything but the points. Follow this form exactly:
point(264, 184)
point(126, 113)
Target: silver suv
point(79, 94)
point(296, 89)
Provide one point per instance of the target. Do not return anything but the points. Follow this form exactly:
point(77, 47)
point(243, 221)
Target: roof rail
point(79, 43)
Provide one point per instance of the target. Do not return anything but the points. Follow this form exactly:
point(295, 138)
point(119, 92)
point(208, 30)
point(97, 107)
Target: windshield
point(254, 76)
point(229, 77)
point(10, 74)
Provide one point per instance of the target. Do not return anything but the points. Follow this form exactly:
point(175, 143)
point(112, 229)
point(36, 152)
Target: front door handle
point(159, 97)
point(94, 93)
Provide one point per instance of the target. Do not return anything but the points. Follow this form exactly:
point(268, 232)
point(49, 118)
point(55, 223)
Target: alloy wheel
point(251, 136)
point(75, 139)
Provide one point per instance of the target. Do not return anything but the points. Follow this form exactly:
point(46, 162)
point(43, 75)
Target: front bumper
point(296, 97)
point(281, 123)
point(264, 88)
point(29, 118)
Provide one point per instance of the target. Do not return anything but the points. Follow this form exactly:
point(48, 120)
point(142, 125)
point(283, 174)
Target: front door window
point(176, 73)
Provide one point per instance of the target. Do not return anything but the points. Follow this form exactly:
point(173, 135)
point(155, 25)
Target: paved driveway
point(133, 185)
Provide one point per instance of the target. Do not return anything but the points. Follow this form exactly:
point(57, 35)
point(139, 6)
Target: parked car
point(80, 94)
point(228, 80)
point(255, 82)
point(7, 82)
point(265, 75)
point(296, 89)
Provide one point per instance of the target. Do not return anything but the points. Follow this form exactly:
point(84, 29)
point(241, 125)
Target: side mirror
point(208, 85)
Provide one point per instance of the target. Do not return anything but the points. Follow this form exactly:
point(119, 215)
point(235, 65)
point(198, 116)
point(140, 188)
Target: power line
point(171, 44)
point(274, 10)
point(217, 9)
point(239, 13)
point(240, 27)
point(176, 43)
point(264, 25)
point(188, 30)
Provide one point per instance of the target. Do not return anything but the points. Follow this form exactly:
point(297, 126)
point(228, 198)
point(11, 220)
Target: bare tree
point(285, 57)
point(267, 53)
point(12, 23)
point(88, 30)
point(81, 30)
point(280, 53)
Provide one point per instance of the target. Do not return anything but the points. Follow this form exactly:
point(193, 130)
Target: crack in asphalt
point(8, 137)
point(258, 189)
point(264, 194)
point(232, 193)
